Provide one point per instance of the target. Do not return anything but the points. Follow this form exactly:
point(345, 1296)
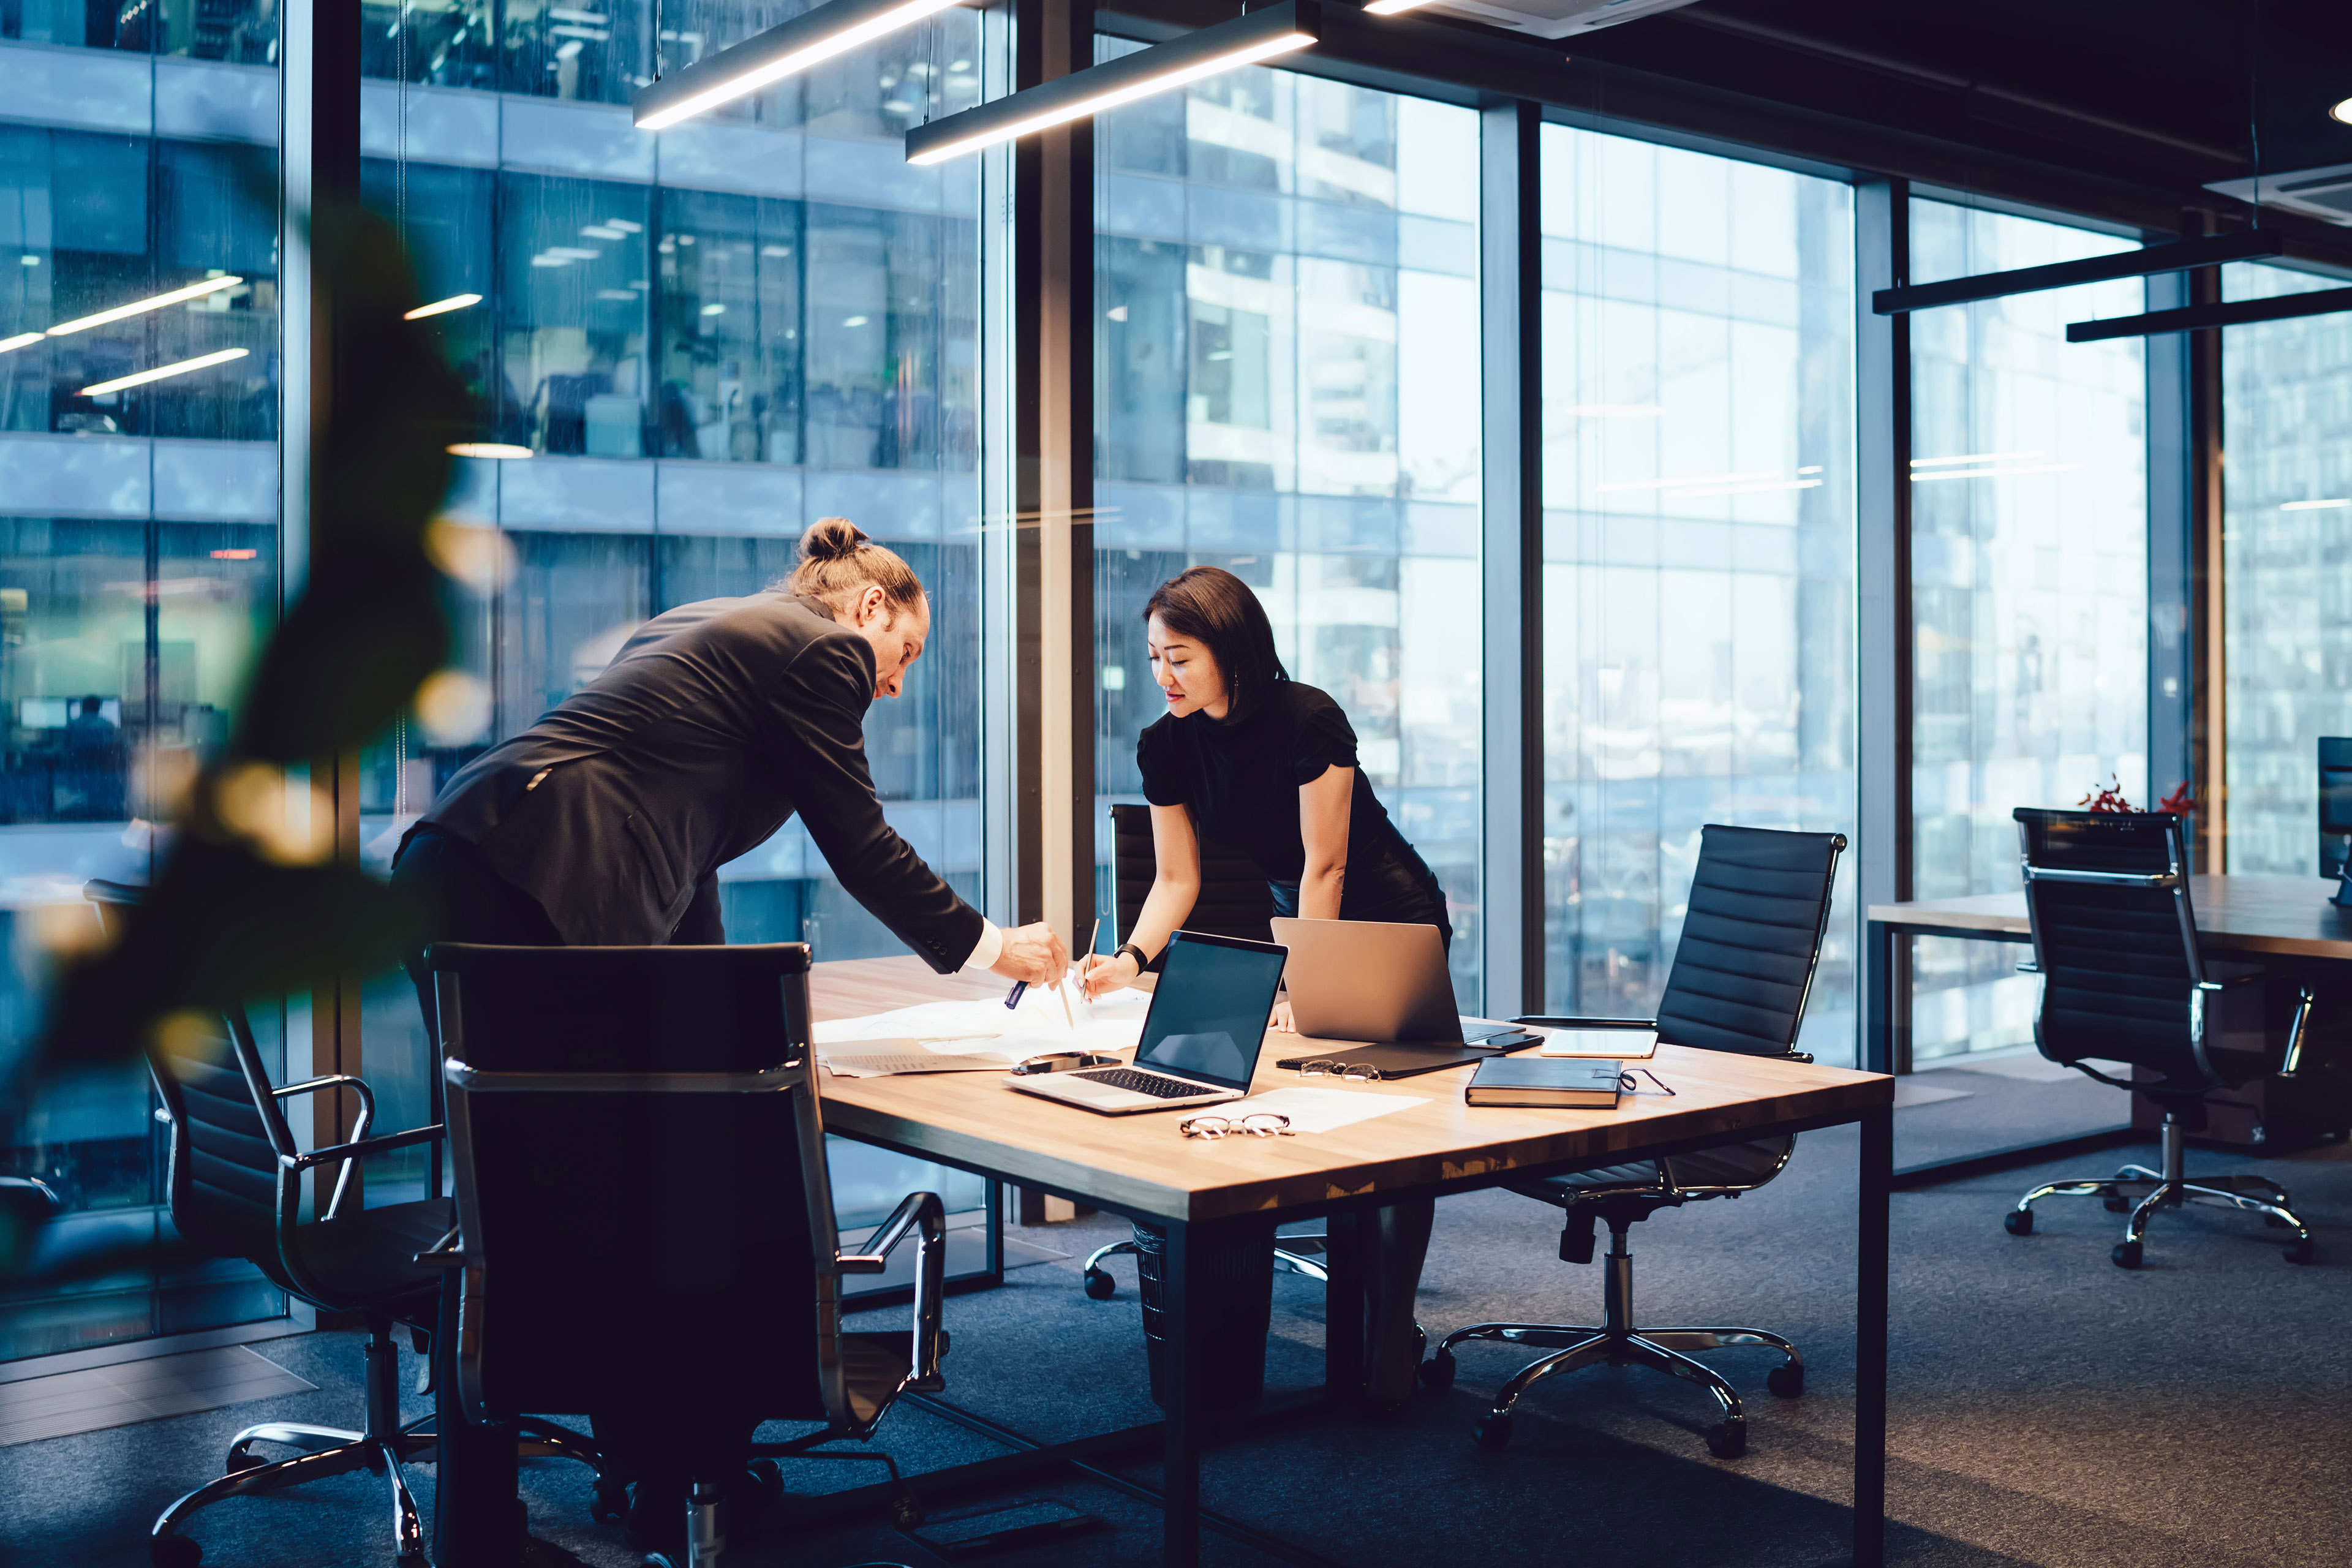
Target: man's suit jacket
point(711, 726)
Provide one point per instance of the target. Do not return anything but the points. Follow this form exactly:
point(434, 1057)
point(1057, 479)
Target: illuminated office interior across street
point(1649, 423)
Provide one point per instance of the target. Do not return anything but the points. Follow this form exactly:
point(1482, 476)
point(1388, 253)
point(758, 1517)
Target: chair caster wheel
point(2274, 1221)
point(1101, 1286)
point(239, 1463)
point(1436, 1373)
point(1493, 1433)
point(2018, 1222)
point(1787, 1382)
point(2126, 1254)
point(2299, 1253)
point(1419, 1343)
point(906, 1513)
point(2115, 1201)
point(173, 1552)
point(610, 1505)
point(1727, 1439)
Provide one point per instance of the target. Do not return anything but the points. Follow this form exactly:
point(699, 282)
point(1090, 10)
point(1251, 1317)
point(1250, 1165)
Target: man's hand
point(1099, 972)
point(1033, 953)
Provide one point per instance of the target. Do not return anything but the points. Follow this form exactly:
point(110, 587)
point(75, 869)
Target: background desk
point(1140, 1166)
point(2255, 918)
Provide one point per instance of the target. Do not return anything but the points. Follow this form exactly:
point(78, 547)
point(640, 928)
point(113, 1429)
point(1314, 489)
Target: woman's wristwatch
point(1141, 963)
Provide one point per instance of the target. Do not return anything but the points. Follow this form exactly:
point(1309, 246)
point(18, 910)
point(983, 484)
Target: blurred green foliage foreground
point(250, 900)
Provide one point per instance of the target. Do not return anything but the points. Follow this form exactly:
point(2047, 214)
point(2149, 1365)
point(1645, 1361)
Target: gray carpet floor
point(2047, 1408)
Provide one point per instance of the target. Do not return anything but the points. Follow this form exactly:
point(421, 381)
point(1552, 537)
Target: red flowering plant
point(2111, 799)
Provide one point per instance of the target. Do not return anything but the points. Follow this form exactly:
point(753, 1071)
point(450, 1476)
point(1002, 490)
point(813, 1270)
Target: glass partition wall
point(2029, 562)
point(2287, 542)
point(1698, 548)
point(1287, 387)
point(139, 555)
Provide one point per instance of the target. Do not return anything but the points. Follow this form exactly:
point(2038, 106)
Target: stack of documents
point(978, 1036)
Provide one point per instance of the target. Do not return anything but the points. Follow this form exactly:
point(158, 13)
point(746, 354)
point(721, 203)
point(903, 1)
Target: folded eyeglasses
point(1258, 1124)
point(1347, 1072)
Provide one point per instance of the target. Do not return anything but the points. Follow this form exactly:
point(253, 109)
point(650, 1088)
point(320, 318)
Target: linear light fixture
point(142, 377)
point(442, 306)
point(1391, 7)
point(21, 340)
point(486, 450)
point(1974, 458)
point(140, 307)
point(1273, 30)
point(2179, 256)
point(2315, 505)
point(2197, 318)
point(819, 34)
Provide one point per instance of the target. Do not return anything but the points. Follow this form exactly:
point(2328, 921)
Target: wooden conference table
point(1142, 1168)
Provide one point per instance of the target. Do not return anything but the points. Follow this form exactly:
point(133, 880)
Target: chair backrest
point(641, 1178)
point(1233, 901)
point(1759, 904)
point(228, 1129)
point(2115, 938)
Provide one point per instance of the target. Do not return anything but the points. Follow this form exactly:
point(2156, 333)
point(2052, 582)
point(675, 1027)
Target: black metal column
point(1870, 1335)
point(1882, 621)
point(1052, 483)
point(1510, 332)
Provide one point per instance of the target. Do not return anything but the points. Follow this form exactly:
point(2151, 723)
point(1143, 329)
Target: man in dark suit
point(605, 824)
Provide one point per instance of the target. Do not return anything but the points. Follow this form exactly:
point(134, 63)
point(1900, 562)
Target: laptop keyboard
point(1149, 1083)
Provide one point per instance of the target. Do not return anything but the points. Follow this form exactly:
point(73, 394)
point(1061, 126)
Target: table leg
point(1346, 1260)
point(1870, 1298)
point(1182, 1319)
point(1879, 944)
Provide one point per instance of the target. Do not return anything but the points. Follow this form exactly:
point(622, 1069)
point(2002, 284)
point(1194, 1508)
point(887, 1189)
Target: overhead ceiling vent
point(1556, 18)
point(2323, 192)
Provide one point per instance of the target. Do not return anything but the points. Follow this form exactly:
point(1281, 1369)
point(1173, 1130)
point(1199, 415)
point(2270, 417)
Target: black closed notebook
point(1570, 1082)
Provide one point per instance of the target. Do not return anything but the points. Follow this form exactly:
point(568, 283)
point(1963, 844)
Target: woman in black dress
point(1253, 759)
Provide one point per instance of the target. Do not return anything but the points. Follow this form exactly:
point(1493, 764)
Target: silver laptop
point(1376, 981)
point(1200, 1040)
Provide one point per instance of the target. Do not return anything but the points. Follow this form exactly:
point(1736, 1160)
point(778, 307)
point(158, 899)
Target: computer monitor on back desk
point(2334, 803)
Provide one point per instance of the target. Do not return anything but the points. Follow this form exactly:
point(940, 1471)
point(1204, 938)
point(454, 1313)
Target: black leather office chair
point(2115, 941)
point(636, 1132)
point(236, 1190)
point(1233, 901)
point(1759, 904)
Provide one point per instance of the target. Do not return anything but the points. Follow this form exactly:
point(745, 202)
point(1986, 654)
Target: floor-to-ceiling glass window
point(698, 342)
point(1288, 385)
point(139, 546)
point(2287, 553)
point(2029, 562)
point(1698, 547)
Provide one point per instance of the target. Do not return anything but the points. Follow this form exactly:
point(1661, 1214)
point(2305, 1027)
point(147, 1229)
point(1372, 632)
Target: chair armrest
point(359, 1129)
point(350, 1153)
point(442, 1254)
point(1546, 1021)
point(2304, 1000)
point(923, 1213)
point(2229, 984)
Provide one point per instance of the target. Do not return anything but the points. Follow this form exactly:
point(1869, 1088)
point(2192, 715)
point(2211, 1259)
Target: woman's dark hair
point(1217, 610)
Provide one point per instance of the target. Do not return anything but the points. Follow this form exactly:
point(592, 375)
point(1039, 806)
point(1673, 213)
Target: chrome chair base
point(2141, 1192)
point(1617, 1343)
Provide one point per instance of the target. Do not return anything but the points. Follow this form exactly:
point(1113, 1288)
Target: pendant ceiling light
point(1262, 34)
point(832, 28)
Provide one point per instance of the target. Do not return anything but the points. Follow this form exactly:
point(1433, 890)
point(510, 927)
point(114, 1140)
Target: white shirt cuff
point(988, 949)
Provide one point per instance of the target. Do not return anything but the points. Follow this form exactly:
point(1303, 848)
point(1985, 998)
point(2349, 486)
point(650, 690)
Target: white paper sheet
point(967, 1027)
point(883, 1058)
point(1317, 1109)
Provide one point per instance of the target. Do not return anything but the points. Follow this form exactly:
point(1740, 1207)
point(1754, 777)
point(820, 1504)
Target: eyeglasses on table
point(1257, 1124)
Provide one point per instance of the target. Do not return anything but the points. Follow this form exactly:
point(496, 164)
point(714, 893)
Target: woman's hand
point(1282, 1019)
point(1099, 973)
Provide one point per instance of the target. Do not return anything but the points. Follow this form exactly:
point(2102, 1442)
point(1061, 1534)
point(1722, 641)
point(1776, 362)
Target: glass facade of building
point(2029, 561)
point(2287, 557)
point(1288, 385)
point(1698, 547)
point(139, 544)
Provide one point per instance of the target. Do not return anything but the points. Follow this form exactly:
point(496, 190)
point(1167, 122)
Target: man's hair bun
point(831, 539)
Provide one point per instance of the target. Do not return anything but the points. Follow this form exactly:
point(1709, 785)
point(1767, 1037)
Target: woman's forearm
point(1319, 891)
point(1165, 908)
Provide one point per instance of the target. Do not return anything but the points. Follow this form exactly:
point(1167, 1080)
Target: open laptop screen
point(1208, 1015)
